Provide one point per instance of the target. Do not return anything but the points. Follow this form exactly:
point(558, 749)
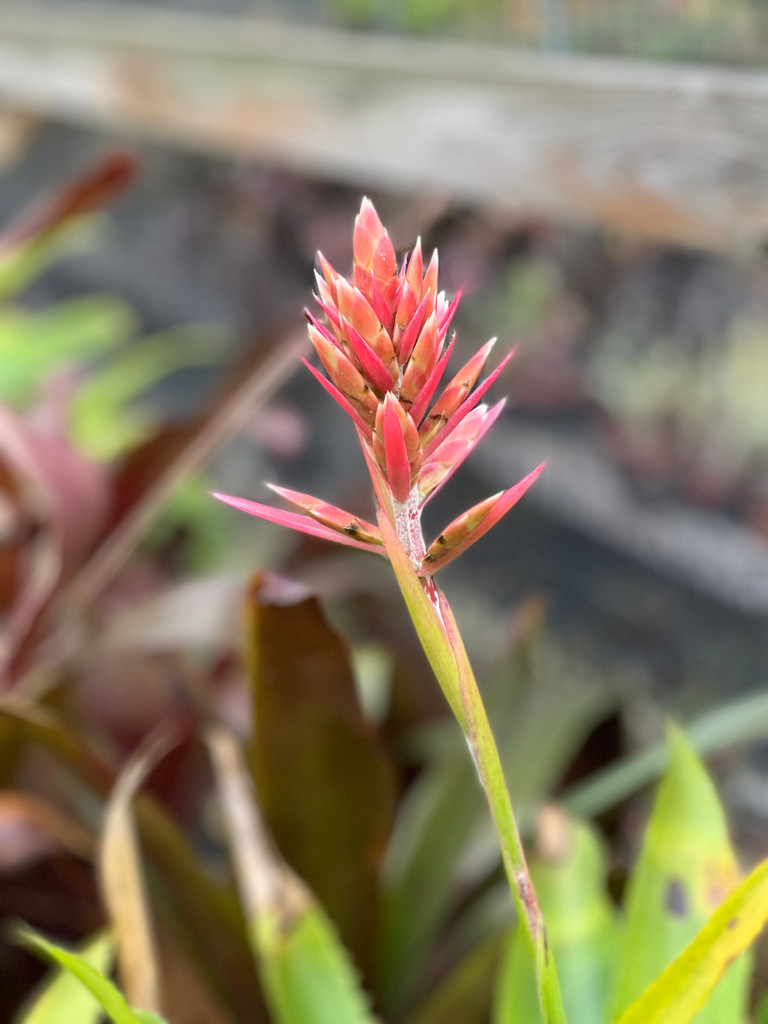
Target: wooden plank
point(674, 153)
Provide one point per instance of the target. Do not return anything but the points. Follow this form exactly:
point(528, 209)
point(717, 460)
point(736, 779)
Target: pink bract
point(384, 352)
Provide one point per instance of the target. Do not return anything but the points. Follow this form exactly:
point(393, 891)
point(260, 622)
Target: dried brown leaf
point(123, 885)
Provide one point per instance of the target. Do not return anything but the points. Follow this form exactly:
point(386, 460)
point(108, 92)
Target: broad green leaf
point(569, 873)
point(686, 868)
point(109, 997)
point(325, 785)
point(64, 997)
point(307, 974)
point(680, 992)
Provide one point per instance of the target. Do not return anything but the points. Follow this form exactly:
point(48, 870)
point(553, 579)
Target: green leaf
point(63, 997)
point(307, 974)
point(108, 996)
point(569, 873)
point(325, 785)
point(686, 868)
point(761, 1010)
point(680, 992)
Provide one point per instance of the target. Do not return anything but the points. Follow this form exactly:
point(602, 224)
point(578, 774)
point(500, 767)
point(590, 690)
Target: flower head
point(382, 339)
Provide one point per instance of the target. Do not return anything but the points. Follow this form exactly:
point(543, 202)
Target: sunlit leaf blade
point(568, 872)
point(63, 997)
point(325, 786)
point(686, 868)
point(680, 992)
point(307, 975)
point(20, 266)
point(109, 997)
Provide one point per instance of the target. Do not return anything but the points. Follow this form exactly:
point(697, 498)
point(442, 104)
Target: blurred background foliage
point(725, 31)
point(147, 354)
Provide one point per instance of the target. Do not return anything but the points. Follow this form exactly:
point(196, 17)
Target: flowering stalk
point(384, 347)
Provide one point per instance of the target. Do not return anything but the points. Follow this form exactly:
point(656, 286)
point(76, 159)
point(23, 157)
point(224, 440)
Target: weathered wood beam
point(668, 152)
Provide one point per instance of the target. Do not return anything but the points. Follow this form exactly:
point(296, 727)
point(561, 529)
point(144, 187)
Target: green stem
point(442, 643)
point(477, 729)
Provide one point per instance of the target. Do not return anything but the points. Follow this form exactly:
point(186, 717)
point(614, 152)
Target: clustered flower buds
point(385, 348)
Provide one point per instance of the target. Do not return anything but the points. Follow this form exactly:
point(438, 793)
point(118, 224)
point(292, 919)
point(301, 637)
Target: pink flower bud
point(396, 447)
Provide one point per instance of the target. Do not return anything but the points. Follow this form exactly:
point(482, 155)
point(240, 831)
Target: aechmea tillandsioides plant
point(382, 338)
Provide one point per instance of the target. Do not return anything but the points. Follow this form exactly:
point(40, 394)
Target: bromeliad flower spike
point(384, 348)
point(385, 351)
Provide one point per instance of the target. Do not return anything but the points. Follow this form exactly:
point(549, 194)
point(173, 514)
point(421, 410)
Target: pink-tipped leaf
point(464, 409)
point(447, 317)
point(406, 341)
point(304, 524)
point(473, 524)
point(424, 397)
point(371, 244)
point(447, 458)
point(454, 393)
point(330, 515)
point(341, 400)
point(396, 462)
point(343, 373)
point(374, 370)
point(424, 357)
